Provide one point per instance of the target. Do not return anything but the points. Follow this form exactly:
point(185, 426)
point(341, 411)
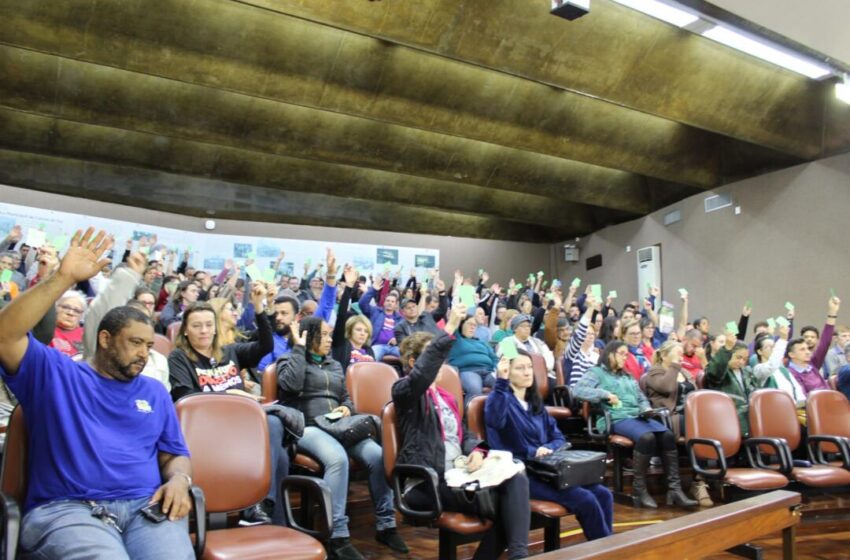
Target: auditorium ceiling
point(473, 118)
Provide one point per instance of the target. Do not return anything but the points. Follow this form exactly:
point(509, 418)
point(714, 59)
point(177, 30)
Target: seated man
point(102, 438)
point(521, 327)
point(414, 322)
point(803, 363)
point(384, 319)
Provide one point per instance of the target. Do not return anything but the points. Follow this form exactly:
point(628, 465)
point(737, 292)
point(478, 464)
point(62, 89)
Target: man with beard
point(104, 441)
point(286, 309)
point(693, 357)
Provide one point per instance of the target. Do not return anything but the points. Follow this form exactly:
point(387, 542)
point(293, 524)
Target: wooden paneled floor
point(823, 534)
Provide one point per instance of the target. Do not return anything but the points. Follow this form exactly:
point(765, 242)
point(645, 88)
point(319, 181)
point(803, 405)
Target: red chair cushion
point(821, 476)
point(463, 523)
point(755, 479)
point(549, 509)
point(262, 542)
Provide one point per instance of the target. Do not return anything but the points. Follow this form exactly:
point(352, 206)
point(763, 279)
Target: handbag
point(484, 500)
point(351, 430)
point(568, 468)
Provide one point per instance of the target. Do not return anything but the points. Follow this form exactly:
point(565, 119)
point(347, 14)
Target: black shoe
point(392, 539)
point(342, 549)
point(256, 515)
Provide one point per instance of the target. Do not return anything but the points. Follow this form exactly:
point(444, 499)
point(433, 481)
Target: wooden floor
point(823, 534)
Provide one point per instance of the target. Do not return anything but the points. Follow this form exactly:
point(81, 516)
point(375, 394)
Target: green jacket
point(719, 377)
point(599, 382)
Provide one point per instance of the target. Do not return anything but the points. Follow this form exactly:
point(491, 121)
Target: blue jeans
point(66, 530)
point(280, 467)
point(593, 505)
point(328, 451)
point(382, 350)
point(473, 383)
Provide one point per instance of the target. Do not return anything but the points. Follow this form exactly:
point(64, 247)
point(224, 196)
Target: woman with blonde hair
point(351, 334)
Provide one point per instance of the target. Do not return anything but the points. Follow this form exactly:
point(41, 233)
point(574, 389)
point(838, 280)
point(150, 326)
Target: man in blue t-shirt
point(102, 438)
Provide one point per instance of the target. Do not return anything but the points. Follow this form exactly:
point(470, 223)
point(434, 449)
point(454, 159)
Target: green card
point(254, 272)
point(540, 273)
point(789, 306)
point(466, 294)
point(60, 242)
point(507, 348)
point(596, 291)
point(518, 286)
point(732, 327)
point(268, 275)
point(576, 282)
point(144, 250)
point(749, 304)
point(683, 292)
point(612, 294)
point(545, 282)
point(531, 277)
point(252, 255)
point(480, 272)
point(782, 322)
point(832, 292)
point(5, 276)
point(771, 324)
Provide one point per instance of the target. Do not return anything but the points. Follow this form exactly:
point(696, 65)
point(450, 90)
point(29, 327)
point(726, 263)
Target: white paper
point(36, 237)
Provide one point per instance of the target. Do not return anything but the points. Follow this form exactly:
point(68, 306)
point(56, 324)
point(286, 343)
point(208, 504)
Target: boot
point(675, 496)
point(699, 490)
point(640, 495)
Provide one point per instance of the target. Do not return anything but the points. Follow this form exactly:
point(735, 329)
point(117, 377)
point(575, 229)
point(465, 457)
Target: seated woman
point(518, 422)
point(185, 294)
point(68, 336)
point(611, 386)
point(310, 380)
point(667, 384)
point(636, 363)
point(505, 327)
point(729, 373)
point(201, 363)
point(226, 318)
point(474, 359)
point(769, 370)
point(352, 334)
point(433, 435)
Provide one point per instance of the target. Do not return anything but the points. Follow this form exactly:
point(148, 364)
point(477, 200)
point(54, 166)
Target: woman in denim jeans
point(310, 380)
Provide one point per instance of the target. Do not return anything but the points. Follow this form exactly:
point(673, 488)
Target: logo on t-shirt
point(143, 406)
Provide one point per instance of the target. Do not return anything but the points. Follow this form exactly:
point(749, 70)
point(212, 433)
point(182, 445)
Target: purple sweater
point(810, 378)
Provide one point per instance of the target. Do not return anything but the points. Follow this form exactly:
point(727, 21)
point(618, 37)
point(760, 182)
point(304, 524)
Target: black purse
point(351, 430)
point(484, 500)
point(568, 468)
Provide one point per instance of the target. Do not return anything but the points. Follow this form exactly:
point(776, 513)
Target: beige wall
point(790, 242)
point(502, 259)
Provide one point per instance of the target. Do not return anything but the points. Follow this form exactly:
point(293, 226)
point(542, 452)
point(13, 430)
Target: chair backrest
point(14, 477)
point(162, 344)
point(269, 382)
point(773, 414)
point(699, 379)
point(172, 330)
point(541, 374)
point(475, 417)
point(228, 438)
point(712, 415)
point(450, 381)
point(559, 370)
point(370, 386)
point(833, 382)
point(389, 438)
point(828, 413)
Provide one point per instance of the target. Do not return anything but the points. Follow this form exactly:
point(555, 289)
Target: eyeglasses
point(622, 353)
point(71, 310)
point(148, 303)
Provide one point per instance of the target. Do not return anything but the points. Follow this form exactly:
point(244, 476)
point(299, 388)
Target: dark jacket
point(341, 349)
point(418, 416)
point(426, 322)
point(312, 388)
point(512, 428)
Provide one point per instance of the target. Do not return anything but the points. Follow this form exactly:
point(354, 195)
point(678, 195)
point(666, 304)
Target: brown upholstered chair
point(713, 433)
point(229, 441)
point(544, 513)
point(619, 447)
point(774, 415)
point(172, 330)
point(370, 386)
point(162, 344)
point(454, 528)
point(269, 383)
point(833, 382)
point(828, 422)
point(541, 375)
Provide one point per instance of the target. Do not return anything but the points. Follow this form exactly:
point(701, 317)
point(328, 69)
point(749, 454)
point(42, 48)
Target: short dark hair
point(313, 326)
point(119, 317)
point(808, 328)
point(792, 344)
point(141, 290)
point(296, 307)
point(760, 324)
point(413, 346)
point(610, 349)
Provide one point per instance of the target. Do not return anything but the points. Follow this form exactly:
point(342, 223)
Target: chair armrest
point(10, 517)
point(561, 396)
point(199, 515)
point(321, 493)
point(719, 474)
point(662, 415)
point(431, 483)
point(816, 450)
point(754, 454)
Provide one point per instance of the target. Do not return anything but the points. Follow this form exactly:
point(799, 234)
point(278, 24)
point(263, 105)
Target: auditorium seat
point(228, 438)
point(162, 344)
point(369, 385)
point(714, 433)
point(619, 447)
point(544, 513)
point(172, 331)
point(269, 383)
point(828, 422)
point(774, 415)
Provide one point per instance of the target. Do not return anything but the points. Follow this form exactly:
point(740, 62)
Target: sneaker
point(392, 539)
point(699, 490)
point(255, 515)
point(342, 549)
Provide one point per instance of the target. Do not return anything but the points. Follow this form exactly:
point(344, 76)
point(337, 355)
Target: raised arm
point(826, 336)
point(82, 261)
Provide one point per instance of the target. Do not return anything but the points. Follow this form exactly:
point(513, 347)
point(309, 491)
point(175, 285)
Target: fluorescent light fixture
point(842, 90)
point(662, 11)
point(763, 51)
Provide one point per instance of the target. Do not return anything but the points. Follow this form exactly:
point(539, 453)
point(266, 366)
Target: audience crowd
point(77, 335)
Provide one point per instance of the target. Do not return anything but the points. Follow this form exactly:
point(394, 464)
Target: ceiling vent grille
point(672, 217)
point(717, 202)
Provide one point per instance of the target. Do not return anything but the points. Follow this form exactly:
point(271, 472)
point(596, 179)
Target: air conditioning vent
point(593, 262)
point(717, 202)
point(645, 254)
point(672, 217)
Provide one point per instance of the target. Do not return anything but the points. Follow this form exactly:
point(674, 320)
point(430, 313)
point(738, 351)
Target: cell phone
point(333, 416)
point(154, 513)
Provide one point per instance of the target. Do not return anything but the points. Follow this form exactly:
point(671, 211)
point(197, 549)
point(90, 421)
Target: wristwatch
point(188, 478)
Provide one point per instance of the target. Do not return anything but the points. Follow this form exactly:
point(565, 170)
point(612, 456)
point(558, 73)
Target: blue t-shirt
point(91, 438)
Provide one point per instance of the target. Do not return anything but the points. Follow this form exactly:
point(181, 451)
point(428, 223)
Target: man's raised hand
point(84, 257)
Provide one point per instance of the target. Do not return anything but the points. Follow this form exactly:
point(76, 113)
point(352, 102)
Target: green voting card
point(732, 327)
point(507, 348)
point(466, 294)
point(596, 291)
point(782, 322)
